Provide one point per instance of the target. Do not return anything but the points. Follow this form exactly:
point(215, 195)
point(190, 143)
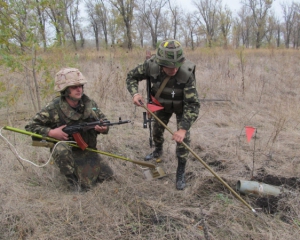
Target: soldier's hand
point(179, 135)
point(58, 133)
point(101, 129)
point(137, 99)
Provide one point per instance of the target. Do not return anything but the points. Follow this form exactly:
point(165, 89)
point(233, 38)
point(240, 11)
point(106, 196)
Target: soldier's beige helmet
point(67, 77)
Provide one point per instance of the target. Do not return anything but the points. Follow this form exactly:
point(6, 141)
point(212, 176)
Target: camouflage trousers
point(87, 166)
point(158, 135)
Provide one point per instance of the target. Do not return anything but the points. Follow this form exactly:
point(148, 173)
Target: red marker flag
point(154, 108)
point(155, 101)
point(249, 132)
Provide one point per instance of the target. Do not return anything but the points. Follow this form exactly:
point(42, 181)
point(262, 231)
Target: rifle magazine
point(80, 142)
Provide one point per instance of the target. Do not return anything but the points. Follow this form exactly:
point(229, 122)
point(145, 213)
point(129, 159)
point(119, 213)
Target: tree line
point(130, 23)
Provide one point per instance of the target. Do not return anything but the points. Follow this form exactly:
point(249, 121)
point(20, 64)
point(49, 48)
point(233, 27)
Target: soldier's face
point(76, 91)
point(170, 71)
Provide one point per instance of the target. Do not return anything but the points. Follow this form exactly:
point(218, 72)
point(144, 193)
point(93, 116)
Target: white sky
point(234, 5)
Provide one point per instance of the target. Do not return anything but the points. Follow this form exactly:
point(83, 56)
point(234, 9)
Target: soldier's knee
point(62, 149)
point(182, 153)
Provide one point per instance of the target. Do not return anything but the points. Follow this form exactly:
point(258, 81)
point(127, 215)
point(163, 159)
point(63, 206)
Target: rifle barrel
point(89, 125)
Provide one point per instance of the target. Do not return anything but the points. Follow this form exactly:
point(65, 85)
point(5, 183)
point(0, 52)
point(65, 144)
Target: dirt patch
point(210, 186)
point(292, 182)
point(277, 204)
point(268, 205)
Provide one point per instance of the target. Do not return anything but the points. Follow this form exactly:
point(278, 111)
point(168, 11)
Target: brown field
point(258, 88)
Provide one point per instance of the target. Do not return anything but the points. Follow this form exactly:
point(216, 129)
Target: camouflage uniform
point(179, 96)
point(74, 163)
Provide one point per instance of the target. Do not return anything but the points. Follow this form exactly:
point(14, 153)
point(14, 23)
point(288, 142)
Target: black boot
point(180, 182)
point(155, 154)
point(73, 181)
point(106, 173)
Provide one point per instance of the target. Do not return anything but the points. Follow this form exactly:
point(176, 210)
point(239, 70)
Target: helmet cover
point(170, 54)
point(67, 77)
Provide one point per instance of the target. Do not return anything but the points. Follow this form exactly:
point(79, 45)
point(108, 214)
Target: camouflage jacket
point(58, 112)
point(183, 85)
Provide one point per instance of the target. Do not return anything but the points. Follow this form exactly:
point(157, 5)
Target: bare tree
point(236, 33)
point(56, 13)
point(93, 19)
point(141, 29)
point(165, 25)
point(125, 8)
point(271, 30)
point(41, 14)
point(188, 28)
point(259, 10)
point(225, 23)
point(19, 21)
point(114, 26)
point(208, 10)
point(247, 25)
point(176, 13)
point(151, 12)
point(296, 38)
point(288, 16)
point(97, 15)
point(71, 8)
point(278, 32)
point(103, 17)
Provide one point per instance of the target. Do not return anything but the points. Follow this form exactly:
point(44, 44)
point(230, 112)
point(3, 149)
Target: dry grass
point(36, 204)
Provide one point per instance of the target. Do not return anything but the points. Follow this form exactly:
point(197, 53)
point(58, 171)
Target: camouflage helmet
point(67, 77)
point(170, 54)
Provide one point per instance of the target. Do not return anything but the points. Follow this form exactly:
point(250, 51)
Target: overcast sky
point(234, 5)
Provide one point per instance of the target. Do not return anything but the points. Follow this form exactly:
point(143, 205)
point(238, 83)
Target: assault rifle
point(74, 130)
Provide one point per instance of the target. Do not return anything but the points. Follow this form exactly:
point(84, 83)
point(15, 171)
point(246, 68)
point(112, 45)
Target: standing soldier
point(174, 86)
point(70, 108)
